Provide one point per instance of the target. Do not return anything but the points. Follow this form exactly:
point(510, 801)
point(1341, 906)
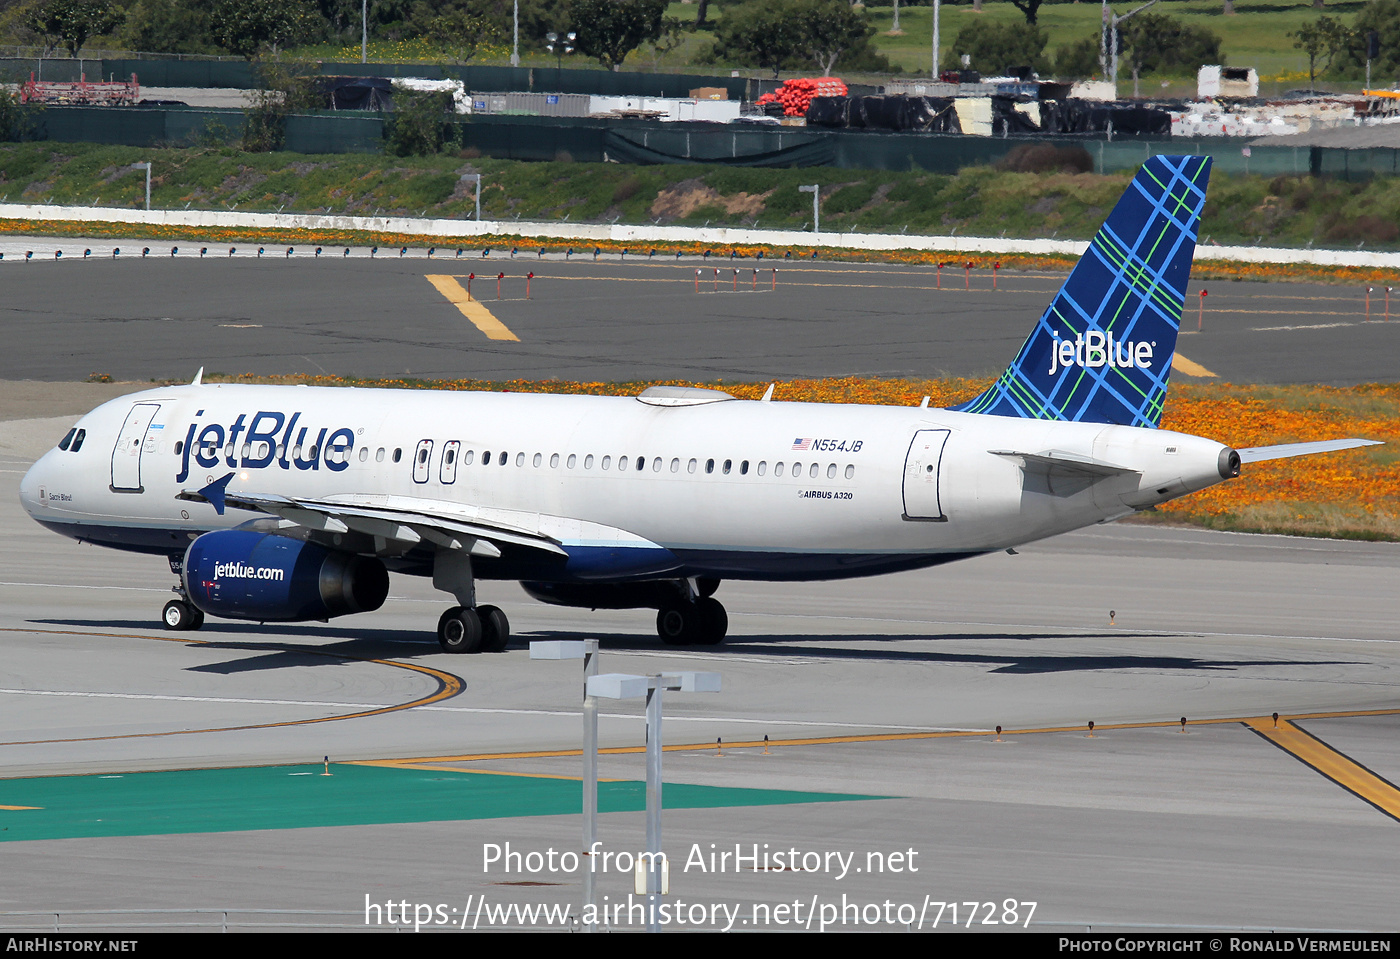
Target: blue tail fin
point(1102, 352)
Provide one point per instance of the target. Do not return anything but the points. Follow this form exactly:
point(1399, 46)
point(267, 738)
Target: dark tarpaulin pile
point(357, 93)
point(1006, 119)
point(899, 113)
point(1088, 116)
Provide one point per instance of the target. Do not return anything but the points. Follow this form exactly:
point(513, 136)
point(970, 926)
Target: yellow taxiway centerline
point(1335, 765)
point(1182, 365)
point(472, 309)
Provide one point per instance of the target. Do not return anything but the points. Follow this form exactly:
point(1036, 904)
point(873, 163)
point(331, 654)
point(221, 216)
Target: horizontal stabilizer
point(1059, 459)
point(1258, 454)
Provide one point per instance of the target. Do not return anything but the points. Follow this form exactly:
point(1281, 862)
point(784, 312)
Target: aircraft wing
point(1258, 454)
point(404, 520)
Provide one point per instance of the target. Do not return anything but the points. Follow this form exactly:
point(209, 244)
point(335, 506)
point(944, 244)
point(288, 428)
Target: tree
point(1383, 17)
point(246, 27)
point(72, 22)
point(1322, 40)
point(419, 125)
point(996, 48)
point(787, 33)
point(762, 34)
point(610, 29)
point(462, 32)
point(1078, 60)
point(1153, 42)
point(167, 26)
point(831, 28)
point(1029, 8)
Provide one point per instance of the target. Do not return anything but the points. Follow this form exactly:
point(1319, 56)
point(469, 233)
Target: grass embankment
point(1353, 494)
point(978, 201)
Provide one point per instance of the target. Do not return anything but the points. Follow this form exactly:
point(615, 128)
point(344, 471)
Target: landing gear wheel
point(676, 624)
point(181, 615)
point(679, 623)
point(459, 631)
point(495, 629)
point(713, 622)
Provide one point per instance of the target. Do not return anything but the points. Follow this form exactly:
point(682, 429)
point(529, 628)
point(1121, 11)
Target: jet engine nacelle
point(243, 574)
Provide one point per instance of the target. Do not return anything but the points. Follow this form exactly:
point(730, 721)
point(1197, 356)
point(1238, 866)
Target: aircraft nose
point(34, 488)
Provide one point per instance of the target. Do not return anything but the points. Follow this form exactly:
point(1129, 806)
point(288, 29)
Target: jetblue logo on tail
point(1102, 351)
point(1095, 349)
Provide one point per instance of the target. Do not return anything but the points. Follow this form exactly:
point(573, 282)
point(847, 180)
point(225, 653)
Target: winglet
point(198, 377)
point(213, 494)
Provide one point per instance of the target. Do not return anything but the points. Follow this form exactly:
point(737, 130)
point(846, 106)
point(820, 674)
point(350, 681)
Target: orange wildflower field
point(1353, 494)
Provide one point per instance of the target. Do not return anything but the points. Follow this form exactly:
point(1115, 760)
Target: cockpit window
point(78, 441)
point(68, 438)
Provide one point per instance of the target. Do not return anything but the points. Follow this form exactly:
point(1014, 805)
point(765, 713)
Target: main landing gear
point(473, 629)
point(698, 622)
point(181, 614)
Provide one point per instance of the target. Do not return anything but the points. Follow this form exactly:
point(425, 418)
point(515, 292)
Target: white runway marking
point(569, 714)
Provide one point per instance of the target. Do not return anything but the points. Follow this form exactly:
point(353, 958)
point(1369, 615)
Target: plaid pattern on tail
point(1102, 352)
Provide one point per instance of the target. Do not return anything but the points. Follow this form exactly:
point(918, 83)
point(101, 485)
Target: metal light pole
point(137, 166)
point(816, 191)
point(625, 686)
point(515, 34)
point(477, 178)
point(1111, 26)
point(586, 650)
point(364, 31)
point(934, 72)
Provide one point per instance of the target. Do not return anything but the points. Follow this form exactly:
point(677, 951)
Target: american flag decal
point(801, 444)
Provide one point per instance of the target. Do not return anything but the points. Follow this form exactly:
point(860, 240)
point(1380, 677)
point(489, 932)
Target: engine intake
point(244, 574)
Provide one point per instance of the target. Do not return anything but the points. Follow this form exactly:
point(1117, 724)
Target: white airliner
point(294, 503)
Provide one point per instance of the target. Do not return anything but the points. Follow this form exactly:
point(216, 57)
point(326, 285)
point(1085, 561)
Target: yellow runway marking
point(1336, 766)
point(448, 686)
point(472, 309)
point(21, 807)
point(1183, 365)
point(435, 768)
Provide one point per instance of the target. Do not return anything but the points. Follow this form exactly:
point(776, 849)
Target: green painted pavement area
point(295, 797)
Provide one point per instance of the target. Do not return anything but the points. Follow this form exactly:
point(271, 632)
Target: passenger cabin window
point(398, 455)
point(762, 467)
point(607, 461)
point(379, 455)
point(501, 459)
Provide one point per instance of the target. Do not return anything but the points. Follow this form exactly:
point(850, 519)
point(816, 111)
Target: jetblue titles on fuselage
point(263, 439)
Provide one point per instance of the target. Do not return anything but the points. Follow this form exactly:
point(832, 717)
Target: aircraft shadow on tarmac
point(303, 649)
point(784, 645)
